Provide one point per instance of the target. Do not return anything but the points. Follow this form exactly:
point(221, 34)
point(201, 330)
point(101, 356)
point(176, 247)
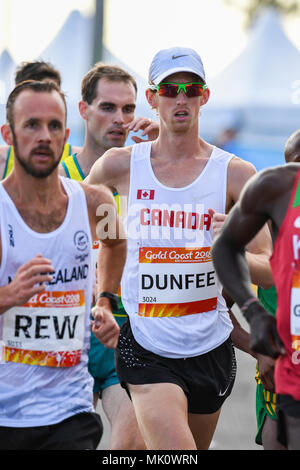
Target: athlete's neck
point(176, 145)
point(37, 192)
point(89, 153)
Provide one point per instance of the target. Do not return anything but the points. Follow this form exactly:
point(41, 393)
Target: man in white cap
point(175, 357)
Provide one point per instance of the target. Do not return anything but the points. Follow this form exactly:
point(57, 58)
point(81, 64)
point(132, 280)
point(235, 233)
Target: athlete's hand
point(30, 279)
point(264, 338)
point(150, 128)
point(217, 221)
point(104, 326)
point(266, 371)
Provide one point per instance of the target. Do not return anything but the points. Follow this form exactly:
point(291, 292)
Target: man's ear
point(205, 96)
point(7, 134)
point(83, 106)
point(151, 98)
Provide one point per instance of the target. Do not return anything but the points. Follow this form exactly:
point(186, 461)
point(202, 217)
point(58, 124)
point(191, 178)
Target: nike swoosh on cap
point(177, 56)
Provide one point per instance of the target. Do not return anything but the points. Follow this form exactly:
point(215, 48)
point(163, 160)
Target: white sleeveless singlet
point(169, 285)
point(44, 377)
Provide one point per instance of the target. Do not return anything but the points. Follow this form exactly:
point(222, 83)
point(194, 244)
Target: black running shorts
point(82, 431)
point(285, 405)
point(207, 380)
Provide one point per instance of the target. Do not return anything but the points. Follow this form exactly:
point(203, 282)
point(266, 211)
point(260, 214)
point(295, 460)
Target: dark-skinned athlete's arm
point(244, 221)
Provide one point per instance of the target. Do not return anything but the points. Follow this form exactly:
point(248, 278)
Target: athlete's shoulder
point(268, 186)
point(239, 173)
point(277, 179)
point(242, 167)
point(112, 165)
point(96, 195)
point(117, 154)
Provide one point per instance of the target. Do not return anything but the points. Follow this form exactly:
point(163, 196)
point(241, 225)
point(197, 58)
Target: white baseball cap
point(176, 59)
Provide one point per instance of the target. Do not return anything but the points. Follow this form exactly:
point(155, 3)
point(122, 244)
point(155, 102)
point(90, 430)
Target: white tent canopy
point(257, 92)
point(263, 74)
point(71, 53)
point(7, 71)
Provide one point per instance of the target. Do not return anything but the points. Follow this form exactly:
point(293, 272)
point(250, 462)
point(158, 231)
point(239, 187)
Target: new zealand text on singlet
point(50, 332)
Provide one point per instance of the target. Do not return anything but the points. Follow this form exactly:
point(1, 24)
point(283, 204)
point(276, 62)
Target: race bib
point(47, 331)
point(174, 282)
point(295, 311)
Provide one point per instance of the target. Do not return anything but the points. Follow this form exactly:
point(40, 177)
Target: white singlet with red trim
point(169, 285)
point(44, 377)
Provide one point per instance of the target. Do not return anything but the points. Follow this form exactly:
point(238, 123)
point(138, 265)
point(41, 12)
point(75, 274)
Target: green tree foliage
point(252, 7)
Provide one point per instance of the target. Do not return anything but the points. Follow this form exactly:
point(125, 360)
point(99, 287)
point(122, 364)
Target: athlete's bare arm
point(259, 249)
point(255, 207)
point(257, 254)
point(106, 227)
